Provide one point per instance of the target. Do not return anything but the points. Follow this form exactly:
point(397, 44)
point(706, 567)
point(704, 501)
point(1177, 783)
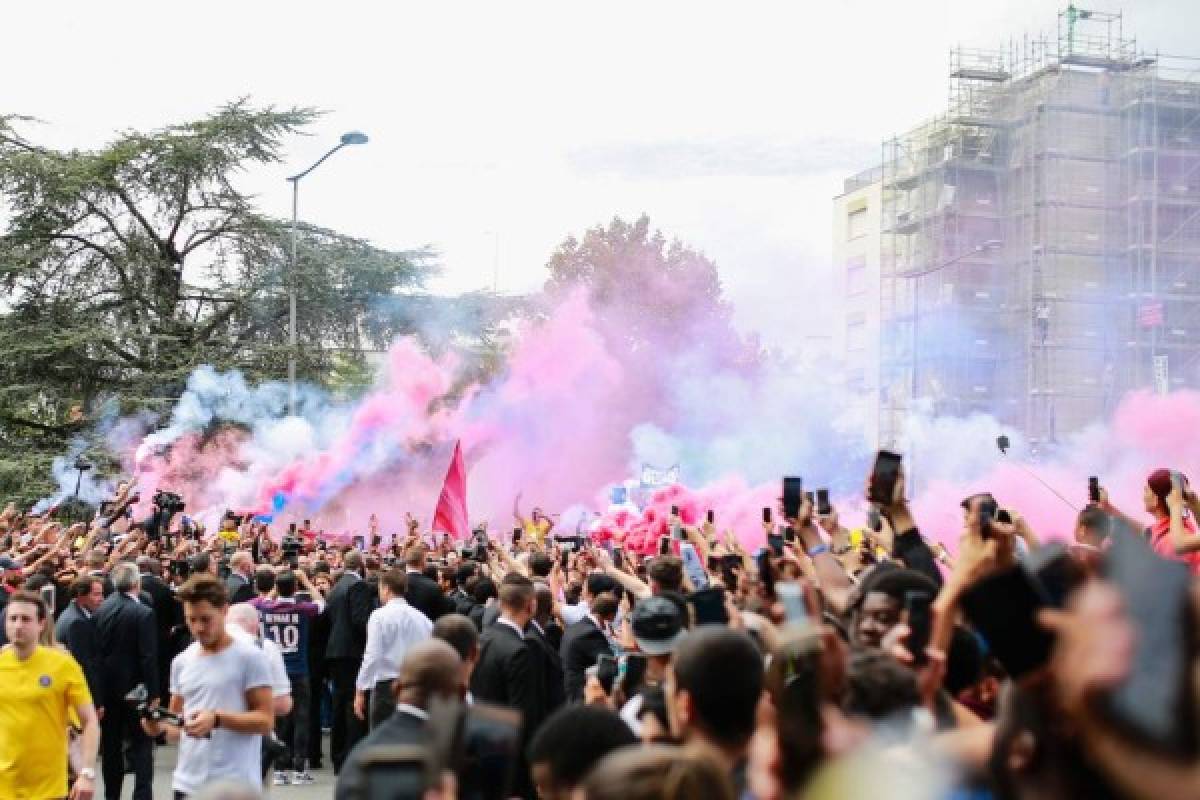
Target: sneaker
point(281, 779)
point(302, 779)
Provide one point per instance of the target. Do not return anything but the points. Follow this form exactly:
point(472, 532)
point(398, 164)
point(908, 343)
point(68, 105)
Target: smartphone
point(1094, 490)
point(713, 563)
point(664, 545)
point(766, 573)
point(789, 534)
point(731, 561)
point(48, 597)
point(823, 507)
point(376, 540)
point(793, 491)
point(358, 542)
point(920, 621)
point(618, 557)
point(874, 522)
point(775, 542)
point(1153, 704)
point(767, 515)
point(1003, 609)
point(884, 474)
point(674, 511)
point(563, 557)
point(709, 606)
point(618, 495)
point(692, 566)
point(791, 596)
point(710, 517)
point(606, 671)
point(516, 536)
point(632, 669)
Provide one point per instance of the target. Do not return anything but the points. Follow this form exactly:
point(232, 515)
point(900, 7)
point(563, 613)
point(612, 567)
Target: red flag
point(451, 514)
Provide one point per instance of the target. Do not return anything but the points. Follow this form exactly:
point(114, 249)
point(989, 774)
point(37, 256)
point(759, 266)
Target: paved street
point(164, 765)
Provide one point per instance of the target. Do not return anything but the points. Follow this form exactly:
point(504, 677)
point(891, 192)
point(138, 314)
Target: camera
point(139, 698)
point(168, 502)
point(290, 545)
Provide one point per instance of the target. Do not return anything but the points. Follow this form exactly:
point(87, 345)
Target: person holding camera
point(220, 697)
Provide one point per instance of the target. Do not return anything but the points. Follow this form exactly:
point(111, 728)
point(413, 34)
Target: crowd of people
point(830, 663)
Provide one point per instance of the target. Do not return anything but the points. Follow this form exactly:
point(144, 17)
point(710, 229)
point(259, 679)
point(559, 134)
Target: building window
point(856, 275)
point(856, 223)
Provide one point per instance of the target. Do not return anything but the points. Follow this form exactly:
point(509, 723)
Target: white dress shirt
point(391, 631)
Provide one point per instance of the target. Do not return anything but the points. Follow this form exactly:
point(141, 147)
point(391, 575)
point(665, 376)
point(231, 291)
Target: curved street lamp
point(348, 138)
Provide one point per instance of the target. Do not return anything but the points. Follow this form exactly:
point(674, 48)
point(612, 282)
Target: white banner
point(653, 476)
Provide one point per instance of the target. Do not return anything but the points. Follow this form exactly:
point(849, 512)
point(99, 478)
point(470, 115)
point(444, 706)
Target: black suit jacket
point(400, 728)
point(582, 645)
point(167, 611)
point(507, 675)
point(549, 663)
point(77, 632)
point(425, 596)
point(350, 604)
point(125, 631)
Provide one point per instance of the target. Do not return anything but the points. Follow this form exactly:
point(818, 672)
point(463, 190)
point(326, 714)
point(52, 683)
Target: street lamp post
point(353, 137)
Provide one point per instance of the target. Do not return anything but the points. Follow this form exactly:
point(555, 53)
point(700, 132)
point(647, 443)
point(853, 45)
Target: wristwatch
point(88, 772)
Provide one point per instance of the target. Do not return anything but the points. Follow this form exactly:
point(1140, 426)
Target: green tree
point(128, 266)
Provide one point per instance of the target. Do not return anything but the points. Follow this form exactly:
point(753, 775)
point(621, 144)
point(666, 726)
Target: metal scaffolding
point(1040, 240)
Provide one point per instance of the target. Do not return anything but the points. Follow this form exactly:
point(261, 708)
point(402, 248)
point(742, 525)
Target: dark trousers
point(293, 728)
point(383, 703)
point(316, 692)
point(348, 729)
point(120, 723)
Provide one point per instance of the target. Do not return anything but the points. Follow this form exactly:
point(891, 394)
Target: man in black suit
point(584, 642)
point(349, 605)
point(240, 583)
point(76, 629)
point(167, 615)
point(423, 594)
point(507, 674)
point(540, 634)
point(125, 630)
point(431, 669)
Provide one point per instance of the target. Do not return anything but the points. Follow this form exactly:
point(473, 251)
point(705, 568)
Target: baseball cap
point(8, 563)
point(657, 626)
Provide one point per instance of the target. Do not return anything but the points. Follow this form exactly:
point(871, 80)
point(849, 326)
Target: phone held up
point(884, 476)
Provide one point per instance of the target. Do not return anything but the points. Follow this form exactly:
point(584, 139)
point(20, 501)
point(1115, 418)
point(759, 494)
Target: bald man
point(431, 669)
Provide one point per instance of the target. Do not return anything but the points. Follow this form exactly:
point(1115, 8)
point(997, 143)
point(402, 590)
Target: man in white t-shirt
point(221, 686)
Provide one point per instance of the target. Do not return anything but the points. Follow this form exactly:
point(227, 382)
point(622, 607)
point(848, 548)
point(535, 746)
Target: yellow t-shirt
point(37, 695)
point(537, 530)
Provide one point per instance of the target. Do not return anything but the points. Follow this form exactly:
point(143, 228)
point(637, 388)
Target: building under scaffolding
point(1040, 242)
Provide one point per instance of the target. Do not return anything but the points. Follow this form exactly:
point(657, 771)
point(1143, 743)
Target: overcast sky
point(731, 124)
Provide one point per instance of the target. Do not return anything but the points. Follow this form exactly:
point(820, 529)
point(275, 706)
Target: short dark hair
point(879, 688)
point(458, 632)
point(82, 587)
point(264, 579)
point(485, 589)
point(598, 583)
point(541, 565)
point(463, 573)
point(1093, 520)
point(414, 556)
point(396, 581)
point(201, 562)
point(516, 591)
point(204, 588)
point(574, 739)
point(667, 572)
point(605, 606)
point(722, 671)
point(285, 583)
point(33, 599)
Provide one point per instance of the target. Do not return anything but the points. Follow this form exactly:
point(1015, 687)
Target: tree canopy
point(128, 266)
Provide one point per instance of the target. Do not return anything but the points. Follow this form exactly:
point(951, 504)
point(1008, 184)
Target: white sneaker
point(281, 779)
point(302, 779)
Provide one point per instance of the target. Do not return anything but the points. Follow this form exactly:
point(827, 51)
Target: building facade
point(1040, 241)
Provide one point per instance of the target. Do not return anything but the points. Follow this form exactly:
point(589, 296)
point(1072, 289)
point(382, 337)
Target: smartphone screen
point(516, 535)
point(919, 621)
point(793, 489)
point(710, 517)
point(664, 545)
point(1153, 704)
point(823, 507)
point(692, 566)
point(1093, 490)
point(633, 672)
point(775, 542)
point(789, 534)
point(883, 478)
point(767, 514)
point(358, 542)
point(1003, 608)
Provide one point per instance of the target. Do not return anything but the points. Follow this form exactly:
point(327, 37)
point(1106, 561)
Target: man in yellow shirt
point(39, 687)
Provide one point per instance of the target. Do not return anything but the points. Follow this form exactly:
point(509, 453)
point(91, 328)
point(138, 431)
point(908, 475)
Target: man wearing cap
point(658, 628)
